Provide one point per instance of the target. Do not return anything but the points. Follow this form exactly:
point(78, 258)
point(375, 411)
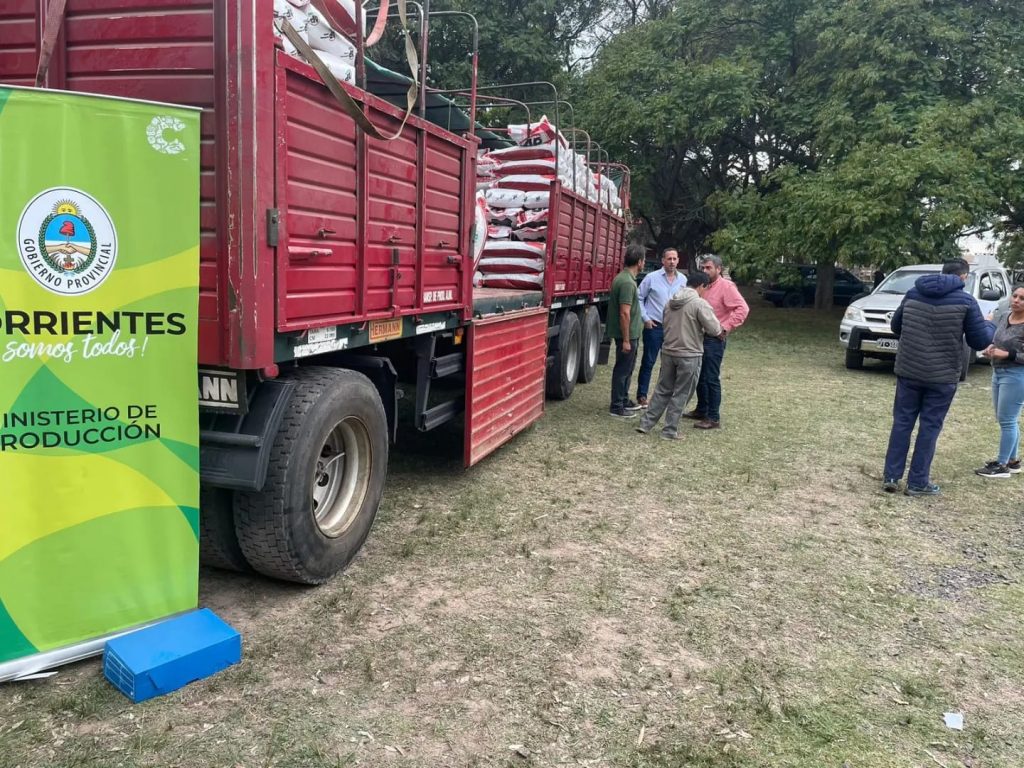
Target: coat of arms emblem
point(67, 241)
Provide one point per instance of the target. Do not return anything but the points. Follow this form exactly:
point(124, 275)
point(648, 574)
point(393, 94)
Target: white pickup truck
point(865, 331)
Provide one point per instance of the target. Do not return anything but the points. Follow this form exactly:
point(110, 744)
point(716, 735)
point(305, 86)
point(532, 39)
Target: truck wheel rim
point(342, 476)
point(572, 360)
point(592, 345)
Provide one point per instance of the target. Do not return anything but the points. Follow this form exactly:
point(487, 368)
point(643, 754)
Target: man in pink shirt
point(731, 310)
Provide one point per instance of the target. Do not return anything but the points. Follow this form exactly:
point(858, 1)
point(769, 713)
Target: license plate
point(382, 330)
point(318, 335)
point(888, 344)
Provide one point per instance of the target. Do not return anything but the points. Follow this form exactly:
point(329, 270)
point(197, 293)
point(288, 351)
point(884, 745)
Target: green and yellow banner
point(99, 437)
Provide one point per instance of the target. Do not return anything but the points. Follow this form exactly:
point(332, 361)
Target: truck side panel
point(611, 236)
point(410, 237)
point(585, 253)
point(19, 42)
point(505, 379)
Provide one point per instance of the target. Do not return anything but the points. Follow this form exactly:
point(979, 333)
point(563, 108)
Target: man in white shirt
point(655, 291)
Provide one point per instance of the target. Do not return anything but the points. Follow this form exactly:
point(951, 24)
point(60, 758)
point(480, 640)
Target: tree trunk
point(826, 282)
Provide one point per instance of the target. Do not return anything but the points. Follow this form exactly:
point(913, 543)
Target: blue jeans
point(652, 348)
point(1008, 398)
point(709, 386)
point(622, 372)
point(916, 400)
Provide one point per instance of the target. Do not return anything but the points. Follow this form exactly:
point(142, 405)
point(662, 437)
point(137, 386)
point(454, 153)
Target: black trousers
point(622, 373)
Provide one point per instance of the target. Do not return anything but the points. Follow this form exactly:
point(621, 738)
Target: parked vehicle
point(334, 265)
point(802, 290)
point(865, 332)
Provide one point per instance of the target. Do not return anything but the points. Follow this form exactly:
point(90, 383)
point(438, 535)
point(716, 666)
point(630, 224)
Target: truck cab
point(865, 331)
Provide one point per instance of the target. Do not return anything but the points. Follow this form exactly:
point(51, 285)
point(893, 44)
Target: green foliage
point(519, 41)
point(866, 132)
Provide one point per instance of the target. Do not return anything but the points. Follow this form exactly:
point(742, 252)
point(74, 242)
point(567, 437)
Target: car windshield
point(902, 280)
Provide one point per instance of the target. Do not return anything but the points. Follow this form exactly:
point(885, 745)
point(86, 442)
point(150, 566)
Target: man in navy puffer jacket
point(934, 318)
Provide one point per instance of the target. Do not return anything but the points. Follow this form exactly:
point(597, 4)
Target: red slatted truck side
point(332, 265)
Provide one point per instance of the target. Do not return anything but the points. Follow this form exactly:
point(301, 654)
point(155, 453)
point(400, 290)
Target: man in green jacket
point(625, 323)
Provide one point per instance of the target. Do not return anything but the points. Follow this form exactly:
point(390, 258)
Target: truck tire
point(562, 375)
point(590, 344)
point(854, 360)
point(218, 544)
point(967, 359)
point(324, 482)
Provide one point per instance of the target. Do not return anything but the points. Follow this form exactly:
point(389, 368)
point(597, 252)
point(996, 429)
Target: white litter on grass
point(954, 720)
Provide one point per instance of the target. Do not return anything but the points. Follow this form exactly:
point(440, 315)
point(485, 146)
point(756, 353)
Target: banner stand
point(99, 415)
point(13, 671)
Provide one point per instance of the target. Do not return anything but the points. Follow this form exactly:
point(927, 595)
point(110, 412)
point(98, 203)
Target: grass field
point(588, 596)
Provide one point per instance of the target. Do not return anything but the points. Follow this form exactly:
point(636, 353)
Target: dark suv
point(799, 292)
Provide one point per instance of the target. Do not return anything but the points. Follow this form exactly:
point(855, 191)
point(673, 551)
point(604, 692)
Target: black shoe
point(890, 485)
point(923, 490)
point(993, 469)
point(631, 406)
point(623, 414)
point(1014, 466)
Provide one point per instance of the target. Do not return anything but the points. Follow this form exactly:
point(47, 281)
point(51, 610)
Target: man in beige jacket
point(687, 320)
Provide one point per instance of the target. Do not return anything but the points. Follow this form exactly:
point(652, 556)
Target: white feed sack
point(333, 47)
point(286, 11)
point(504, 216)
point(542, 154)
point(480, 226)
point(340, 68)
point(505, 198)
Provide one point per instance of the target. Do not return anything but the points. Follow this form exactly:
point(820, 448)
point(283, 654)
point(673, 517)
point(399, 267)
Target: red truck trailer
point(333, 265)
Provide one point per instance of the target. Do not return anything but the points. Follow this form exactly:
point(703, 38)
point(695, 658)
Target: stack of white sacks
point(515, 183)
point(331, 45)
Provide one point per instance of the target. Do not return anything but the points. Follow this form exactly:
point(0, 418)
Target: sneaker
point(891, 485)
point(643, 430)
point(631, 406)
point(1014, 466)
point(623, 414)
point(643, 402)
point(993, 469)
point(923, 490)
point(671, 436)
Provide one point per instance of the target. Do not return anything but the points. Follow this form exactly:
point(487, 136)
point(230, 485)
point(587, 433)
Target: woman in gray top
point(1007, 355)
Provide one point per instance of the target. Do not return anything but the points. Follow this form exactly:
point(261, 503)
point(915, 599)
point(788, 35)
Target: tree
point(519, 41)
point(670, 105)
point(867, 132)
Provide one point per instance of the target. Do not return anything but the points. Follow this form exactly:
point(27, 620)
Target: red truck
point(333, 267)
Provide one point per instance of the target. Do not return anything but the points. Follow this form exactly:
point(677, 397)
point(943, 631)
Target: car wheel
point(854, 360)
point(793, 300)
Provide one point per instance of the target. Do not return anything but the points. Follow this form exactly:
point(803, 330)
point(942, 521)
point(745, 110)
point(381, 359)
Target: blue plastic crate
point(166, 656)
